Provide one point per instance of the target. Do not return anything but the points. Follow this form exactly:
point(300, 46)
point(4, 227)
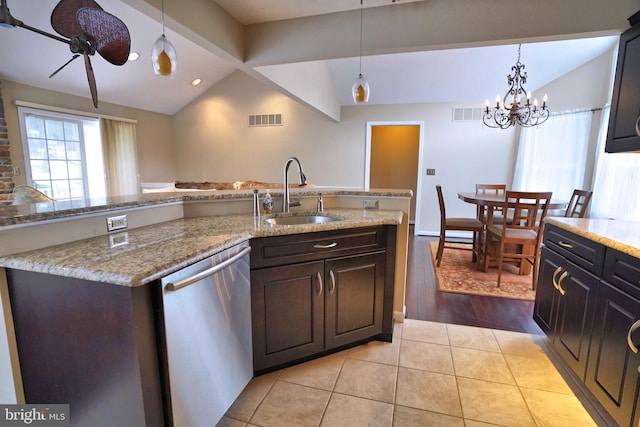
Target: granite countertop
point(155, 251)
point(30, 213)
point(621, 235)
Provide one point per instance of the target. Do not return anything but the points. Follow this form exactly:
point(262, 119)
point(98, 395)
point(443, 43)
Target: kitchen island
point(165, 235)
point(588, 305)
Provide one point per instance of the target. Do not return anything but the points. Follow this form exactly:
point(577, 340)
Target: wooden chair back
point(529, 209)
point(443, 212)
point(491, 188)
point(497, 189)
point(578, 204)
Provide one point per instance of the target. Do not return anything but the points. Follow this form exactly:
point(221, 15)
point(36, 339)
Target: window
point(553, 156)
point(616, 190)
point(63, 154)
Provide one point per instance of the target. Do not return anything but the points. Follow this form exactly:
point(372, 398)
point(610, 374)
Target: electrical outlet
point(118, 239)
point(116, 222)
point(371, 204)
point(431, 171)
point(16, 170)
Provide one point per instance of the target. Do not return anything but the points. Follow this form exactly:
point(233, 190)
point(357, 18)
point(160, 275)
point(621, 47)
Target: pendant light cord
point(162, 7)
point(361, 37)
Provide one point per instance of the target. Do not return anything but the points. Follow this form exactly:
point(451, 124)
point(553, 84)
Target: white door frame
point(367, 167)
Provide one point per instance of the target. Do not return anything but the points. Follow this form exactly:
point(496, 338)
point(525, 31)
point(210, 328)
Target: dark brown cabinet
point(566, 295)
point(545, 309)
point(588, 305)
point(612, 375)
point(320, 292)
point(624, 122)
point(91, 345)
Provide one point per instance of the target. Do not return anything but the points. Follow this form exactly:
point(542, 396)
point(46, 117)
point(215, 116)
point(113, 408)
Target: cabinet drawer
point(582, 251)
point(622, 271)
point(281, 250)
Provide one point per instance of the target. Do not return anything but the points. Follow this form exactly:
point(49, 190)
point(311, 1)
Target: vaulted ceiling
point(309, 49)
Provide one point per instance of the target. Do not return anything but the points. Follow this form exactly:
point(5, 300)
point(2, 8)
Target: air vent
point(467, 114)
point(265, 120)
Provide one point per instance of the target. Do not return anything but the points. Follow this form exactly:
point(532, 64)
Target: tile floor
point(432, 374)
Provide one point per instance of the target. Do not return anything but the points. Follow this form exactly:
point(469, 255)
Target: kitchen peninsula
point(165, 234)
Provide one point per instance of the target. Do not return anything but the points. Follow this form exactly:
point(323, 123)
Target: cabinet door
point(354, 298)
point(287, 305)
point(546, 304)
point(578, 291)
point(625, 105)
point(612, 373)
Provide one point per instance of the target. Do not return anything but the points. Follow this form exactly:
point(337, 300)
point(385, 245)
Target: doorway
point(394, 157)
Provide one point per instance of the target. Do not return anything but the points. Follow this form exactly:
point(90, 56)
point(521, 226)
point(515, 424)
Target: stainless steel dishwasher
point(207, 316)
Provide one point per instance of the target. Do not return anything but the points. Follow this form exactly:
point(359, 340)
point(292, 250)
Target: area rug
point(458, 274)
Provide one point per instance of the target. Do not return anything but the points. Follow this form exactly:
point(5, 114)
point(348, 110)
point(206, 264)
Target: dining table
point(490, 202)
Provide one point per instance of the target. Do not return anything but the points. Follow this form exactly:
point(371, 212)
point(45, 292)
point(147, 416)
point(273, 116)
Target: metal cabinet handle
point(565, 244)
point(329, 246)
point(632, 329)
point(553, 278)
point(562, 277)
point(320, 284)
point(638, 126)
point(333, 282)
point(208, 272)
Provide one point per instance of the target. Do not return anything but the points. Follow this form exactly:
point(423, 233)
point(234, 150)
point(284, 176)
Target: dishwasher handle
point(208, 272)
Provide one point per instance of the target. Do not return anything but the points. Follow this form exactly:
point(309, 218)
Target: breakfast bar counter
point(139, 256)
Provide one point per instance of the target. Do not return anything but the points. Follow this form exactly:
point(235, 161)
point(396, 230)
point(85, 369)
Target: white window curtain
point(616, 189)
point(120, 156)
point(552, 156)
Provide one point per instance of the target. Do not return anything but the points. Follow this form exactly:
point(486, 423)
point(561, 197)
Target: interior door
point(394, 158)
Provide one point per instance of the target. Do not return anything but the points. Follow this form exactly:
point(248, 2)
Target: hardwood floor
point(425, 302)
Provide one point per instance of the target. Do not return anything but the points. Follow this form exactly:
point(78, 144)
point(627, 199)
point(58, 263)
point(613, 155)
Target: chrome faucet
point(302, 180)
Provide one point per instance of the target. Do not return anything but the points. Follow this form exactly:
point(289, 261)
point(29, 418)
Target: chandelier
point(516, 107)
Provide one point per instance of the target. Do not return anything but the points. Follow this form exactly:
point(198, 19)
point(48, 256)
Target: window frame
point(23, 113)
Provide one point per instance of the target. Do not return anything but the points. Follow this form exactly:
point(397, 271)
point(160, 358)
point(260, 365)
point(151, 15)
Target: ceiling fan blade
point(107, 33)
point(65, 64)
point(64, 16)
point(92, 80)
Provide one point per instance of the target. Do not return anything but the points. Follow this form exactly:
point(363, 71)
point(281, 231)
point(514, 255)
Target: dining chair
point(578, 204)
point(518, 238)
point(483, 211)
point(456, 224)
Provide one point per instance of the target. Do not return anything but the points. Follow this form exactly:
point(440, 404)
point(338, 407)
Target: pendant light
point(163, 55)
point(360, 88)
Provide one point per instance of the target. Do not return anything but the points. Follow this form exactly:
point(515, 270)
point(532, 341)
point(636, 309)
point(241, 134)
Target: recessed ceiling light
point(134, 56)
point(196, 82)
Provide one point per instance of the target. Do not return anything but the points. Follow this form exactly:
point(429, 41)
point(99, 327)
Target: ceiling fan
point(87, 29)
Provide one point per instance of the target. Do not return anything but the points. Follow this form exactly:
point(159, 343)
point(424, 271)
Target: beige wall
point(154, 130)
point(216, 143)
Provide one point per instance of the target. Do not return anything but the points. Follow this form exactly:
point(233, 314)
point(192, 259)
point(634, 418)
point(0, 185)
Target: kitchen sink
point(293, 219)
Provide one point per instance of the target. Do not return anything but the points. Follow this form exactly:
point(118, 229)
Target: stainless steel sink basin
point(300, 219)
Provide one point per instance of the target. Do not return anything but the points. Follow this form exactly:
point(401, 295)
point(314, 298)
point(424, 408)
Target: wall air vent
point(467, 114)
point(265, 120)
